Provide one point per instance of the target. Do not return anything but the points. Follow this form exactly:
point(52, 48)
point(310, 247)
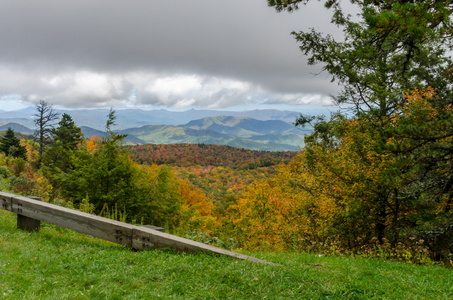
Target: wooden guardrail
point(136, 237)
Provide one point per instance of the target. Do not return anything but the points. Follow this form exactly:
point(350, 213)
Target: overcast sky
point(176, 54)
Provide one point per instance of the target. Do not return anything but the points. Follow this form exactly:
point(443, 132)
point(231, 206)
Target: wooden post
point(26, 223)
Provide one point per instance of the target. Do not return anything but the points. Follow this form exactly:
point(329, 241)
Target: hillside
point(261, 139)
point(187, 155)
point(270, 135)
point(267, 130)
point(169, 134)
point(241, 127)
point(127, 118)
point(18, 128)
point(221, 172)
point(18, 135)
point(56, 263)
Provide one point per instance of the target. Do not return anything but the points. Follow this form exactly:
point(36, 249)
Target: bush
point(413, 250)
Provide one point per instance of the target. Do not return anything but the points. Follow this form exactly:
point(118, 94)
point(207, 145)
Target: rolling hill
point(127, 118)
point(241, 126)
point(16, 127)
point(271, 135)
point(237, 131)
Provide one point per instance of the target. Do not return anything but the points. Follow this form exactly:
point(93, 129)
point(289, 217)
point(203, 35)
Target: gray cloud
point(175, 53)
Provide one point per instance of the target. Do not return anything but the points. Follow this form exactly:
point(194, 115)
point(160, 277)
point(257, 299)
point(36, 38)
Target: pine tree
point(10, 145)
point(67, 134)
point(58, 158)
point(104, 173)
point(391, 51)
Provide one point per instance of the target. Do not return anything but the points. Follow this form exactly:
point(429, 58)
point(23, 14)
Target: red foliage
point(189, 155)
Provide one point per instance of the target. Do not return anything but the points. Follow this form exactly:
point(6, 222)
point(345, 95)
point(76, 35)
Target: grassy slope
point(56, 263)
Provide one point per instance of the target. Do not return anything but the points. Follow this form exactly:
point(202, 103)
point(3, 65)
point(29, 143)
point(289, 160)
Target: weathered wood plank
point(136, 237)
point(110, 230)
point(5, 201)
point(154, 227)
point(146, 238)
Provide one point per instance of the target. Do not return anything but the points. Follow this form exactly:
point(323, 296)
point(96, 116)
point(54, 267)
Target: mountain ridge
point(241, 132)
point(127, 118)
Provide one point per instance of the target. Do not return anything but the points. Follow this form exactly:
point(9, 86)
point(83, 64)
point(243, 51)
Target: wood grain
point(136, 237)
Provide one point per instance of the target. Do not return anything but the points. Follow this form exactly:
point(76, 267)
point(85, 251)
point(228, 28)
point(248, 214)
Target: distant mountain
point(88, 132)
point(270, 114)
point(170, 134)
point(16, 127)
point(224, 130)
point(25, 113)
point(241, 127)
point(267, 130)
point(22, 121)
point(127, 118)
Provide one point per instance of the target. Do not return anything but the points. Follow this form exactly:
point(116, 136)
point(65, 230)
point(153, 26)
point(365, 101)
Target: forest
point(374, 179)
point(189, 155)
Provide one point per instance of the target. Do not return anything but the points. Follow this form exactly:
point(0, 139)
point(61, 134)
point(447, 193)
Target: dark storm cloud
point(179, 53)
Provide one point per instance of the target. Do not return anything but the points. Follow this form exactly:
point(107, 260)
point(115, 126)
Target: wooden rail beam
point(137, 237)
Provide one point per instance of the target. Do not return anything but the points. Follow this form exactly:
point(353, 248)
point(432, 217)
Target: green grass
point(56, 263)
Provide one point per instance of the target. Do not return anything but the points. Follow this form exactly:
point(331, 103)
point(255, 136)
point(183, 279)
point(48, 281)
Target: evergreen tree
point(10, 145)
point(67, 134)
point(392, 49)
point(58, 158)
point(104, 174)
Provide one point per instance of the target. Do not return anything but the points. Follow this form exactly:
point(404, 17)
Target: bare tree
point(44, 121)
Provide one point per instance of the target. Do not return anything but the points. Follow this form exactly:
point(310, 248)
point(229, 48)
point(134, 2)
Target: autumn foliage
point(358, 182)
point(374, 187)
